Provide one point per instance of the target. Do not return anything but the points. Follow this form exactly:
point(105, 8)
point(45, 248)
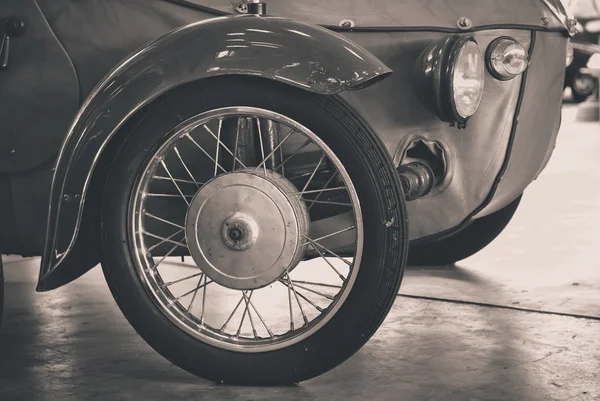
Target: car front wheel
point(241, 174)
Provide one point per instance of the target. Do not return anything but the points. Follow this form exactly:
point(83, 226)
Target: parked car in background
point(585, 44)
point(582, 84)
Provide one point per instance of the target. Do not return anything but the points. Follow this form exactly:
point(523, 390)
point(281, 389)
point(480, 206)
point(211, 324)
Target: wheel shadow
point(451, 272)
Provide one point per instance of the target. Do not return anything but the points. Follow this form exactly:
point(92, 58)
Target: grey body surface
point(494, 159)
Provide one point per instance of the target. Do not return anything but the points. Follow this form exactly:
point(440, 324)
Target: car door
point(39, 92)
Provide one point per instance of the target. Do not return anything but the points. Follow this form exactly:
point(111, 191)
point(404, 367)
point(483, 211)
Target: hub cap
point(244, 230)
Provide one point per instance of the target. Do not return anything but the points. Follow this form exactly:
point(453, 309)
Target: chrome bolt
point(346, 23)
point(235, 234)
point(545, 20)
point(464, 23)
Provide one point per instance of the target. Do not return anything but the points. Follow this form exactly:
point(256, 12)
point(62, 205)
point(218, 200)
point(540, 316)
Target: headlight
point(506, 58)
point(467, 78)
point(450, 78)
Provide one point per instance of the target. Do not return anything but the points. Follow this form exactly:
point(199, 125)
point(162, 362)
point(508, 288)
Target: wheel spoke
point(313, 291)
point(329, 235)
point(274, 150)
point(296, 295)
point(303, 297)
point(314, 172)
point(204, 151)
point(163, 220)
point(189, 308)
point(281, 149)
point(190, 291)
point(186, 167)
point(317, 284)
point(329, 251)
point(220, 143)
point(308, 142)
point(162, 162)
point(218, 146)
point(237, 138)
point(168, 239)
point(160, 177)
point(262, 148)
point(327, 261)
point(291, 312)
point(326, 185)
point(152, 195)
point(203, 301)
point(261, 318)
point(232, 313)
point(246, 310)
point(313, 201)
point(247, 299)
point(313, 191)
point(155, 266)
point(183, 279)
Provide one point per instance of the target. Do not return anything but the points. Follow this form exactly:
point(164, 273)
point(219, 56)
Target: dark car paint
point(477, 188)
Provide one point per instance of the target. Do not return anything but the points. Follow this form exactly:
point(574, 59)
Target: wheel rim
point(228, 238)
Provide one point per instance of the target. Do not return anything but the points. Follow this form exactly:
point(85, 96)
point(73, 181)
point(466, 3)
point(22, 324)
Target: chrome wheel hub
point(246, 229)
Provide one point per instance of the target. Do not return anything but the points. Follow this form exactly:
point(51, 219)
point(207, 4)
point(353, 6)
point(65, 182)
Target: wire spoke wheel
point(290, 218)
point(246, 227)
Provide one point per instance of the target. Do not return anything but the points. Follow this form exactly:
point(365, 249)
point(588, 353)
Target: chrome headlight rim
point(447, 87)
point(489, 58)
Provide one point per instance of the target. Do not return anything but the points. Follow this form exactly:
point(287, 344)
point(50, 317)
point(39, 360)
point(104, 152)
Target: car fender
point(289, 51)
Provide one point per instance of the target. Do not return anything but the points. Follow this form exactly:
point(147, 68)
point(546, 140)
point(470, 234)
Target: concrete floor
point(74, 344)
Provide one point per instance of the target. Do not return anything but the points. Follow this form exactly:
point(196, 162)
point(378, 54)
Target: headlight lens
point(449, 78)
point(467, 79)
point(506, 58)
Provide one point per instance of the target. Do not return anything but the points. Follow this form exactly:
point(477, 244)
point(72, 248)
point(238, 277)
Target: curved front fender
point(289, 51)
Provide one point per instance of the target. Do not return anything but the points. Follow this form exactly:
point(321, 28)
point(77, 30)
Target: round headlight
point(506, 58)
point(467, 80)
point(449, 78)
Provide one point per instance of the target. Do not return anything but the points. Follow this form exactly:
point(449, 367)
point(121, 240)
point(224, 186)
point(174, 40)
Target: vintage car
point(291, 150)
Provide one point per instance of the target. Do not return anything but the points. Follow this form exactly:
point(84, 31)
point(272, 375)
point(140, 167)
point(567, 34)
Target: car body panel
point(477, 152)
point(49, 94)
point(490, 158)
point(408, 14)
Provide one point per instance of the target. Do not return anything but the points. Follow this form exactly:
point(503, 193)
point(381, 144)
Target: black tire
point(580, 97)
point(385, 247)
point(465, 243)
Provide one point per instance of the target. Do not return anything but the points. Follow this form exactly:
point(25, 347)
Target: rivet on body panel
point(464, 23)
